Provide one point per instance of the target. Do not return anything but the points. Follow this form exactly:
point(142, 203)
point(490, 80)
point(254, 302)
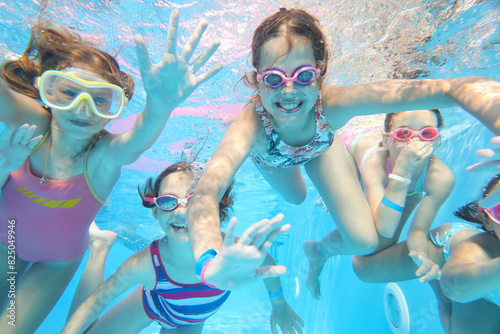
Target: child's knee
point(296, 197)
point(361, 267)
point(365, 245)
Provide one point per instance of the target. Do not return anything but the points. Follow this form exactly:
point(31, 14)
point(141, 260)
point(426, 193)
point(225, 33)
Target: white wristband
point(399, 178)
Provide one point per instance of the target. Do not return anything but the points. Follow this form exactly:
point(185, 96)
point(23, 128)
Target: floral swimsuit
point(280, 154)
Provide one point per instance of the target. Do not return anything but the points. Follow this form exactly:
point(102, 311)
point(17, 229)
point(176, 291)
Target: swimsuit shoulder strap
point(264, 117)
point(322, 123)
point(86, 175)
point(45, 136)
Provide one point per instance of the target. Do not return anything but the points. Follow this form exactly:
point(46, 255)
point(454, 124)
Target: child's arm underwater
point(137, 269)
point(479, 96)
point(231, 152)
point(167, 85)
point(18, 109)
point(282, 314)
point(439, 183)
point(388, 204)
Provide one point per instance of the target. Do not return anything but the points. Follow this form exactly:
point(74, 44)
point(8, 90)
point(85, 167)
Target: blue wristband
point(390, 204)
point(275, 294)
point(202, 261)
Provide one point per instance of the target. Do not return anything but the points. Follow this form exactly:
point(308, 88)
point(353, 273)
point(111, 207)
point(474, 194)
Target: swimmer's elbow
point(385, 230)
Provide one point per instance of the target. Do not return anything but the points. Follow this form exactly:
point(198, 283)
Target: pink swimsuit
point(52, 219)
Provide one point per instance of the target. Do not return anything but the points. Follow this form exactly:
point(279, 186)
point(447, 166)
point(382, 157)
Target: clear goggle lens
point(168, 202)
point(64, 91)
point(303, 75)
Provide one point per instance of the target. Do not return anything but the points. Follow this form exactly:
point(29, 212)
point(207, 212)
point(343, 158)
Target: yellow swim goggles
point(63, 90)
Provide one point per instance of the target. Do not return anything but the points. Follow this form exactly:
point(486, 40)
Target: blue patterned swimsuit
point(444, 241)
point(280, 154)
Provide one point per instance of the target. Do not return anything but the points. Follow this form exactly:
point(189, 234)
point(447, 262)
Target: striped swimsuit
point(174, 304)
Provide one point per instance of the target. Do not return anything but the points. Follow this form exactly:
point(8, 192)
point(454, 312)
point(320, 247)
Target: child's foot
point(315, 268)
point(100, 239)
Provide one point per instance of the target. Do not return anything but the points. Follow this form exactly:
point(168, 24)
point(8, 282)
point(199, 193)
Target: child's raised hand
point(284, 316)
point(173, 79)
point(16, 145)
point(238, 262)
point(427, 270)
point(490, 165)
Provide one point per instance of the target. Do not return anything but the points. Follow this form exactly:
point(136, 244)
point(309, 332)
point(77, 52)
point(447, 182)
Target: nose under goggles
point(168, 202)
point(405, 134)
point(274, 78)
point(493, 212)
point(62, 90)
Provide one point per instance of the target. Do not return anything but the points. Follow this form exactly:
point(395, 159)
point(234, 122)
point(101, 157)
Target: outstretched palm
point(173, 79)
point(239, 262)
point(16, 145)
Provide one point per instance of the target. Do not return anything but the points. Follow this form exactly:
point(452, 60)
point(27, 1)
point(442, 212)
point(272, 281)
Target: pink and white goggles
point(168, 202)
point(274, 78)
point(493, 212)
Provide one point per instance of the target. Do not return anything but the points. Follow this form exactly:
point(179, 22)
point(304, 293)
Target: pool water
point(369, 40)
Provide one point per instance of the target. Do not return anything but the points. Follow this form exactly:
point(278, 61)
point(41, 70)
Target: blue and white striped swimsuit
point(174, 304)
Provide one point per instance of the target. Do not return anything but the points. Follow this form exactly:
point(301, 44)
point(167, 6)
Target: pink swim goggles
point(168, 202)
point(493, 212)
point(274, 78)
point(405, 134)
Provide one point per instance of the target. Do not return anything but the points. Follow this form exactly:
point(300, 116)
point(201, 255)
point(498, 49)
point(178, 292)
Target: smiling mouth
point(179, 228)
point(290, 106)
point(80, 123)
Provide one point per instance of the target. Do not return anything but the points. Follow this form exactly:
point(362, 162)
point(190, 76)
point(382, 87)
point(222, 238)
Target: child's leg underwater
point(37, 292)
point(288, 182)
point(12, 271)
point(93, 274)
point(335, 176)
point(128, 316)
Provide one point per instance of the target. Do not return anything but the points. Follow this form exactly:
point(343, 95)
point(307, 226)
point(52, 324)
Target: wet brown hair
point(469, 212)
point(53, 47)
point(286, 23)
point(151, 188)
